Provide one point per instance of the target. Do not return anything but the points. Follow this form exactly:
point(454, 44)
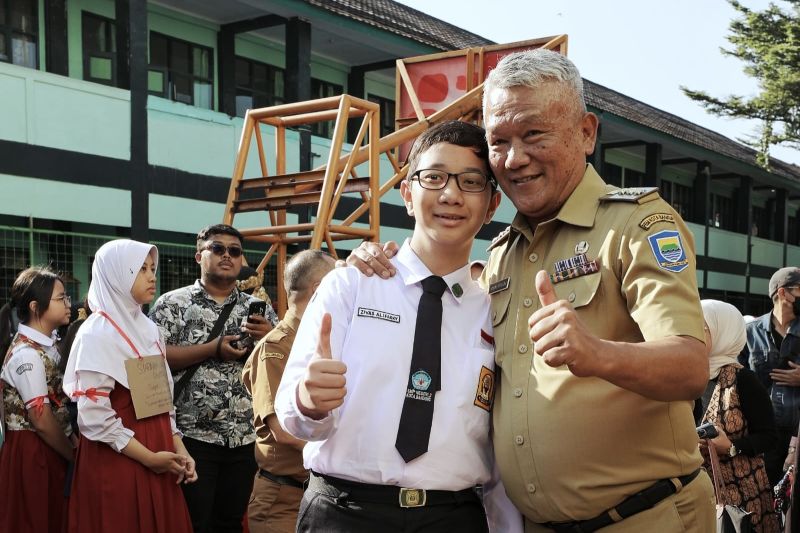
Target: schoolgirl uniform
point(110, 491)
point(32, 474)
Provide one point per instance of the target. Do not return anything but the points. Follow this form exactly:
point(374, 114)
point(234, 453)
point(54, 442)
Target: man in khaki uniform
point(597, 323)
point(278, 486)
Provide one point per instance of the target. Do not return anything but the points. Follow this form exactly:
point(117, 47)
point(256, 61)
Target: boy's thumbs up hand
point(559, 336)
point(322, 388)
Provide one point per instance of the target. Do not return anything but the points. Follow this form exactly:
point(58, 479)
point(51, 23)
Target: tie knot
point(434, 285)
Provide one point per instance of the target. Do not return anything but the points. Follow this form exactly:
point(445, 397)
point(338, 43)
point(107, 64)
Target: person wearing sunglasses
point(214, 410)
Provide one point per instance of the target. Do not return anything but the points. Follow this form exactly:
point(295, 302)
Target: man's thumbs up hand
point(558, 334)
point(322, 388)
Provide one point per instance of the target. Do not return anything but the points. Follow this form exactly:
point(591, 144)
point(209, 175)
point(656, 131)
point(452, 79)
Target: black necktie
point(424, 378)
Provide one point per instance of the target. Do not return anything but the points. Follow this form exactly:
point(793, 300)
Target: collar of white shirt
point(37, 337)
point(412, 270)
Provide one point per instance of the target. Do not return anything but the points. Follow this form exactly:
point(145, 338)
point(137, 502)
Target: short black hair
point(217, 229)
point(454, 132)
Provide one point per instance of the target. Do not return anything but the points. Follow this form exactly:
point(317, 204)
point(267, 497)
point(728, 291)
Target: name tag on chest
point(149, 386)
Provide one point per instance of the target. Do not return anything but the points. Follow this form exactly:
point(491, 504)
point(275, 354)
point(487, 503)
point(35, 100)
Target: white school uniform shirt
point(373, 323)
point(25, 370)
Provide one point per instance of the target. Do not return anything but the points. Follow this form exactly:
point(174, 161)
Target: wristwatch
point(733, 451)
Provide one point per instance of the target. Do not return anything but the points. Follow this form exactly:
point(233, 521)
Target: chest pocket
point(578, 291)
point(500, 304)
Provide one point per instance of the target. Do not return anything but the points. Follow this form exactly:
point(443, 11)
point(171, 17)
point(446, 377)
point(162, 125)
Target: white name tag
point(374, 313)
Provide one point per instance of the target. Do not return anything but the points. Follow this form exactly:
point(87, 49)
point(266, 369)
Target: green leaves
point(768, 43)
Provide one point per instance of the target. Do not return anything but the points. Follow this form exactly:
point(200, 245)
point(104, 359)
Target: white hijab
point(728, 334)
point(98, 345)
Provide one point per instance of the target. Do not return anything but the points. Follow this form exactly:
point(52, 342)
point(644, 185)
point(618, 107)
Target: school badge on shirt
point(668, 249)
point(484, 394)
point(420, 383)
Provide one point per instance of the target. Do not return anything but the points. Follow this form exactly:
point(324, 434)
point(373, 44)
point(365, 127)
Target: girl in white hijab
point(127, 470)
point(739, 406)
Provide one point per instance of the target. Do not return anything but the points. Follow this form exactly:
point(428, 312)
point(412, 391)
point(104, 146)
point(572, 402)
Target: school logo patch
point(668, 249)
point(25, 367)
point(484, 394)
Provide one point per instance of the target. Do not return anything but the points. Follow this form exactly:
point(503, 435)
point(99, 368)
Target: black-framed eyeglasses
point(220, 249)
point(435, 180)
point(65, 299)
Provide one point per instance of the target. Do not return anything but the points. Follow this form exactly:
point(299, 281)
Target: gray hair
point(531, 68)
point(305, 269)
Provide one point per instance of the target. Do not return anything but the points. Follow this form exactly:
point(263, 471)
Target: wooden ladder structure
point(325, 185)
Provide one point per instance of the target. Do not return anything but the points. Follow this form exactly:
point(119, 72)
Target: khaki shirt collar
point(291, 320)
point(579, 209)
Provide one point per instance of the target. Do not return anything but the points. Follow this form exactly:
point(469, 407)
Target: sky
point(644, 49)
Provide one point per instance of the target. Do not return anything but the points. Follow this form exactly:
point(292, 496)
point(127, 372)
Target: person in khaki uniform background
point(597, 323)
point(278, 486)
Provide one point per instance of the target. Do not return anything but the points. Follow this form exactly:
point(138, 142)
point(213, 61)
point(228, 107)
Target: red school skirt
point(32, 476)
point(113, 493)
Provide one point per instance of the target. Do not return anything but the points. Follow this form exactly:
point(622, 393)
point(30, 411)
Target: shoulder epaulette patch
point(631, 194)
point(500, 239)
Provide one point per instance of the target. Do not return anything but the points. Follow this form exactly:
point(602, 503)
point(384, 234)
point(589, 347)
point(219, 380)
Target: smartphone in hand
point(258, 308)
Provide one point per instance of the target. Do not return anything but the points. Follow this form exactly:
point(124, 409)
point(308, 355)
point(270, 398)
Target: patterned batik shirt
point(215, 407)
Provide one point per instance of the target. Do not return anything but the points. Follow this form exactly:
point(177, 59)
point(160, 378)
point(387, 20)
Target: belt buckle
point(412, 498)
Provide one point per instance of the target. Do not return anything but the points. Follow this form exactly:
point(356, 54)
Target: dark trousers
point(331, 510)
point(218, 500)
point(773, 459)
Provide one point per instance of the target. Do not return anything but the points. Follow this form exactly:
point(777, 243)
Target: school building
point(121, 118)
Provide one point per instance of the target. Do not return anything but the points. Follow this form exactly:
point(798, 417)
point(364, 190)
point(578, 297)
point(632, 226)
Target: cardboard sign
point(149, 386)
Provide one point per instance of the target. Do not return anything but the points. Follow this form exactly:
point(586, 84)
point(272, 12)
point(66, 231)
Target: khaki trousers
point(273, 507)
point(692, 510)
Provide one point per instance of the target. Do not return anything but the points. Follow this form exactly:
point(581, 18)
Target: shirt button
point(527, 302)
point(533, 257)
point(518, 439)
point(523, 348)
point(531, 488)
point(517, 392)
point(571, 297)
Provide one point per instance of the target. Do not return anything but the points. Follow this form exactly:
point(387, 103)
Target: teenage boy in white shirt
point(403, 446)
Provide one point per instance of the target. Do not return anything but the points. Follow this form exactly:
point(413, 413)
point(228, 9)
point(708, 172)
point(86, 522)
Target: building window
point(792, 235)
point(323, 89)
point(612, 174)
point(19, 28)
point(760, 226)
point(99, 49)
point(678, 196)
point(722, 215)
point(387, 113)
point(257, 85)
point(181, 71)
point(633, 178)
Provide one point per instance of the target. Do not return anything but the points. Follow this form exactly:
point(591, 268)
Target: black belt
point(343, 490)
point(281, 480)
point(641, 501)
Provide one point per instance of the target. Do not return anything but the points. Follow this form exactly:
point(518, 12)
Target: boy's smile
point(448, 219)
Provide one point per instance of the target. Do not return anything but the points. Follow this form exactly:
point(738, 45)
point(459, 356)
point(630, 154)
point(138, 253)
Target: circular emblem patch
point(421, 380)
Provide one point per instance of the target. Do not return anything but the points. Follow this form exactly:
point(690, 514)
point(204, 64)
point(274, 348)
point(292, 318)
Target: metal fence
point(71, 254)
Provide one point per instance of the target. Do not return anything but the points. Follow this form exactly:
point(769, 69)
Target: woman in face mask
point(740, 408)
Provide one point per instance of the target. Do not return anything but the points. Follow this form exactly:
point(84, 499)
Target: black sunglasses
point(220, 249)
